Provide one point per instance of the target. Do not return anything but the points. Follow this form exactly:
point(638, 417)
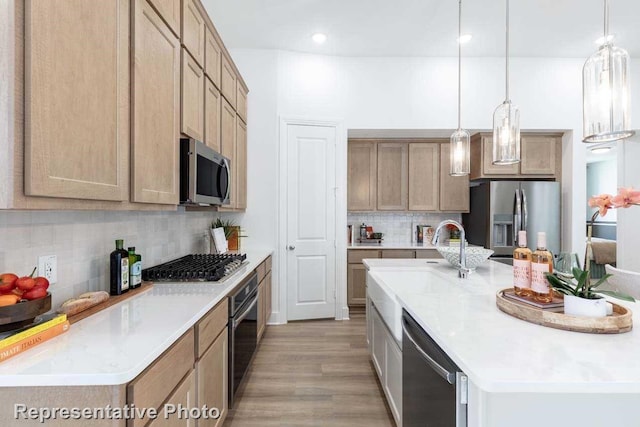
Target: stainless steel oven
point(243, 332)
point(204, 175)
point(434, 390)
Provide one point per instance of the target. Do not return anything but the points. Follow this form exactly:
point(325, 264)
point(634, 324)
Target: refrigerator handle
point(524, 210)
point(517, 216)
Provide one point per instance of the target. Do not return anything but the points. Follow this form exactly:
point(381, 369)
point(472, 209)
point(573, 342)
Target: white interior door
point(311, 219)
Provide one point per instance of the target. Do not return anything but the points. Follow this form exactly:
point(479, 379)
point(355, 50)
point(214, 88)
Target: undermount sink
point(475, 255)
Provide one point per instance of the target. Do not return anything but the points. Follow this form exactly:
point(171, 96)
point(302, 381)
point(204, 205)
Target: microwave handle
point(226, 166)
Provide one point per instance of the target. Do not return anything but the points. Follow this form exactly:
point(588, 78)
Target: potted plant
point(232, 232)
point(583, 298)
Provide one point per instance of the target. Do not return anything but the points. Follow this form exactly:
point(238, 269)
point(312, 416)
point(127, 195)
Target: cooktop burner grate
point(197, 267)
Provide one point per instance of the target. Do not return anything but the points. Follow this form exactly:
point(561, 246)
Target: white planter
point(575, 306)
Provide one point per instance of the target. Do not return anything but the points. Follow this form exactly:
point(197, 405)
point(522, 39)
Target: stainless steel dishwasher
point(434, 390)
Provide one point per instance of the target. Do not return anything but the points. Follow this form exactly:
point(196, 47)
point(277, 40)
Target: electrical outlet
point(48, 268)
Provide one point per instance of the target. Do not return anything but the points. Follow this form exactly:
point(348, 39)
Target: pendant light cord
point(606, 21)
point(459, 60)
point(507, 56)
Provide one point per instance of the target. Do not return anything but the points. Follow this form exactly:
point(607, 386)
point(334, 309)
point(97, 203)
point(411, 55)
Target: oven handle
point(450, 377)
point(237, 321)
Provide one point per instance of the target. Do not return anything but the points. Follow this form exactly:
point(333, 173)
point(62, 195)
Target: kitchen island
point(520, 374)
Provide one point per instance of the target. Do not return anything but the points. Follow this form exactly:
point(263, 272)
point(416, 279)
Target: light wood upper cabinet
point(193, 29)
point(169, 11)
point(228, 81)
point(361, 180)
point(538, 155)
point(228, 145)
point(212, 371)
point(192, 106)
point(77, 99)
point(241, 164)
point(454, 190)
point(213, 57)
point(241, 101)
point(212, 107)
point(156, 108)
point(424, 166)
point(487, 161)
point(392, 176)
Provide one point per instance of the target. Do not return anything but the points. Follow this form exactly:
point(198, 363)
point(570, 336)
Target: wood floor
point(313, 373)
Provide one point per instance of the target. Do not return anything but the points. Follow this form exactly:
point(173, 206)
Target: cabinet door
point(156, 108)
point(228, 81)
point(424, 166)
point(538, 155)
point(192, 97)
point(261, 309)
point(356, 284)
point(361, 191)
point(398, 253)
point(184, 395)
point(193, 29)
point(393, 376)
point(170, 11)
point(241, 101)
point(267, 298)
point(228, 144)
point(377, 342)
point(213, 58)
point(454, 190)
point(241, 164)
point(212, 116)
point(212, 371)
point(487, 160)
point(392, 176)
point(77, 99)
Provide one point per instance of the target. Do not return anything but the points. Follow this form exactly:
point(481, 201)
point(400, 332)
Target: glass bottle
point(135, 268)
point(541, 263)
point(119, 269)
point(522, 266)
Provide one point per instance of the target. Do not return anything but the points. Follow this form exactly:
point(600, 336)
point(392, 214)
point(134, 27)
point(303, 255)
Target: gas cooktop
point(194, 268)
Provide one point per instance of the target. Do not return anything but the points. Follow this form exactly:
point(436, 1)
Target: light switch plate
point(48, 268)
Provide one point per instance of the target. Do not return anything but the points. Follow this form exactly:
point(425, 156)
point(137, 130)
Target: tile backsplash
point(397, 227)
point(82, 242)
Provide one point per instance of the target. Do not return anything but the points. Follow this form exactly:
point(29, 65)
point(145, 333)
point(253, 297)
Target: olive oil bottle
point(135, 268)
point(522, 266)
point(119, 269)
point(541, 263)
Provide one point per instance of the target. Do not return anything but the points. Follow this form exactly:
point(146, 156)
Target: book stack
point(556, 306)
point(15, 342)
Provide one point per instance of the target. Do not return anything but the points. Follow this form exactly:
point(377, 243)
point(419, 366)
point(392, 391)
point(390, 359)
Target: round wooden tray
point(22, 314)
point(621, 321)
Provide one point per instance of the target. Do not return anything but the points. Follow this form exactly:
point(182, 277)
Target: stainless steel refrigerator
point(499, 209)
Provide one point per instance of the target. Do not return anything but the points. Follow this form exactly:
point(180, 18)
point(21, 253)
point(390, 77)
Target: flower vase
point(583, 307)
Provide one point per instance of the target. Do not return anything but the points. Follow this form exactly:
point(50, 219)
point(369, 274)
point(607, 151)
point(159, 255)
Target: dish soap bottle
point(541, 263)
point(119, 269)
point(135, 268)
point(522, 266)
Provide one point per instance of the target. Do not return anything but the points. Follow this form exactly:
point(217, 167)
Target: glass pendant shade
point(459, 149)
point(606, 95)
point(506, 134)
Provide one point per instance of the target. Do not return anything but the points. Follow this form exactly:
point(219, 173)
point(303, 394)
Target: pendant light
point(506, 121)
point(460, 139)
point(606, 96)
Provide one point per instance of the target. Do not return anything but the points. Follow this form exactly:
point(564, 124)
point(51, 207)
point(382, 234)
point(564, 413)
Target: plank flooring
point(312, 373)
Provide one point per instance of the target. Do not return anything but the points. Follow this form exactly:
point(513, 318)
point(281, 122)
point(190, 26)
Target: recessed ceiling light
point(319, 38)
point(600, 150)
point(465, 38)
point(601, 40)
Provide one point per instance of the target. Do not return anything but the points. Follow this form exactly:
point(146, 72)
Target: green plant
point(229, 226)
point(583, 288)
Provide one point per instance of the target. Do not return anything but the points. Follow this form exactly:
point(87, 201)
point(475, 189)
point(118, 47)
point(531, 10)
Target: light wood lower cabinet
point(356, 284)
point(264, 304)
point(76, 102)
point(361, 180)
point(184, 396)
point(156, 108)
point(392, 181)
point(193, 93)
point(424, 173)
point(213, 388)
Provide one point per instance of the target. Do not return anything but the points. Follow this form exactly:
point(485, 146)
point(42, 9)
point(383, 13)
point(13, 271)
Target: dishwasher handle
point(450, 377)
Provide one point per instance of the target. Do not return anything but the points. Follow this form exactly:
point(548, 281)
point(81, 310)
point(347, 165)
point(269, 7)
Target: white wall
point(414, 93)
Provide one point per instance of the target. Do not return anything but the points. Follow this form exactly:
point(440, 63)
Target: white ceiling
point(539, 28)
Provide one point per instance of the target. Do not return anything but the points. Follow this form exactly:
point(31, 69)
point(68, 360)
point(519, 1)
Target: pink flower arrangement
point(625, 198)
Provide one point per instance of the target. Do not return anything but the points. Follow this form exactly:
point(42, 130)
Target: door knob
point(291, 247)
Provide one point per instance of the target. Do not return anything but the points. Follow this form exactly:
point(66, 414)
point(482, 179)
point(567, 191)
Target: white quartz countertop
point(397, 245)
point(502, 354)
point(115, 345)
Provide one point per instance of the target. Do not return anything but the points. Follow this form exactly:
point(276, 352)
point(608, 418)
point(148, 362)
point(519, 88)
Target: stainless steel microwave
point(205, 175)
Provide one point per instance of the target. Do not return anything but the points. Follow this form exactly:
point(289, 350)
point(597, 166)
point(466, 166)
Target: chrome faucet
point(463, 271)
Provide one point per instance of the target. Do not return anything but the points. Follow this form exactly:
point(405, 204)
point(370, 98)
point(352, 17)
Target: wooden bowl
point(23, 313)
